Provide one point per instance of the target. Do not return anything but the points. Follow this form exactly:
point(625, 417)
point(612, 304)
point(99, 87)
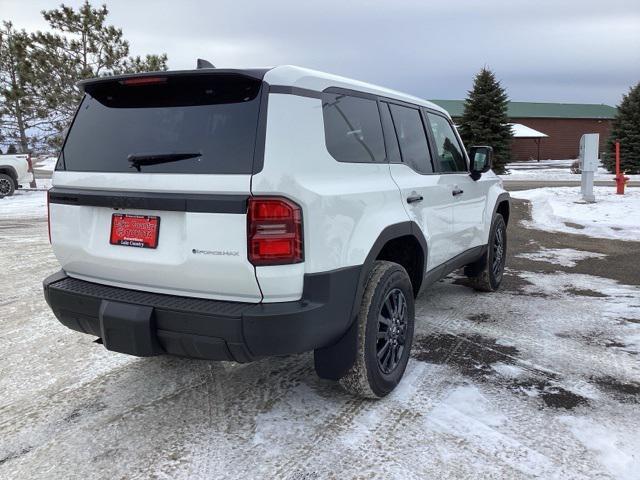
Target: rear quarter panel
point(345, 205)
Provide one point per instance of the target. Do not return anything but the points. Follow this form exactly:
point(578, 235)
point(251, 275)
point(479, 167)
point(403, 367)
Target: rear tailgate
point(177, 226)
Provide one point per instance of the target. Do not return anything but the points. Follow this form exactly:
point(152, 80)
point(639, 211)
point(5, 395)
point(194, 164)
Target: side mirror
point(481, 160)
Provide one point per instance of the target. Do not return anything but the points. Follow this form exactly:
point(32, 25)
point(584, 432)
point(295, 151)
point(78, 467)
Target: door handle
point(457, 192)
point(414, 198)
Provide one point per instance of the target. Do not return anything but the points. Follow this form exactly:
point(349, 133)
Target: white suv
point(237, 214)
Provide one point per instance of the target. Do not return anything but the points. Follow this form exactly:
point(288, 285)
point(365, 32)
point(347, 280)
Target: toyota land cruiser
point(237, 214)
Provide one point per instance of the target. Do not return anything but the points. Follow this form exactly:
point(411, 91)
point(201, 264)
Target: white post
point(588, 164)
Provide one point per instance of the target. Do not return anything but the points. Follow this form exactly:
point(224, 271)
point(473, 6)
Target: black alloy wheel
point(497, 265)
point(392, 329)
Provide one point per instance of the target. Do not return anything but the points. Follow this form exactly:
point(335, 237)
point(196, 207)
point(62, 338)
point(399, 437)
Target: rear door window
point(450, 154)
point(213, 115)
point(352, 128)
point(412, 139)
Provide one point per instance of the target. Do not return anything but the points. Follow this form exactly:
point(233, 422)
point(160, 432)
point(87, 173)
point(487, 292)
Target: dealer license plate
point(134, 230)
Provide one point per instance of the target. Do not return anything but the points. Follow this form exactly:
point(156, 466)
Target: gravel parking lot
point(540, 379)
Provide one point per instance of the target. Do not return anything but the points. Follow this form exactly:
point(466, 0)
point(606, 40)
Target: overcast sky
point(545, 50)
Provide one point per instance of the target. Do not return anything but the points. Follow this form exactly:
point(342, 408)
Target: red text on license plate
point(134, 230)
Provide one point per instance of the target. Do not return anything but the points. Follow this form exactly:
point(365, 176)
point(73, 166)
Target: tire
point(7, 185)
point(385, 329)
point(486, 274)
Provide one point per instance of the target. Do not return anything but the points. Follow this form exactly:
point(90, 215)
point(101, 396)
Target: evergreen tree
point(22, 110)
point(39, 72)
point(485, 121)
point(150, 63)
point(81, 45)
point(626, 129)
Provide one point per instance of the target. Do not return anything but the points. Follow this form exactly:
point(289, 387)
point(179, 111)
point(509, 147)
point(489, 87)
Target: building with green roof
point(563, 123)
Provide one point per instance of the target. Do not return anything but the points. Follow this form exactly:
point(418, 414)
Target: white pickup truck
point(14, 173)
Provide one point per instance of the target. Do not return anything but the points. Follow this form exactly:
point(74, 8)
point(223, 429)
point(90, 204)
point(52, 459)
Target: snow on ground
point(567, 257)
point(538, 380)
point(609, 448)
point(552, 170)
point(561, 209)
point(41, 184)
point(24, 203)
point(47, 164)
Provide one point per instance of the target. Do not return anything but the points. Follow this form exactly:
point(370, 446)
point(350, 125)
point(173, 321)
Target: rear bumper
point(144, 324)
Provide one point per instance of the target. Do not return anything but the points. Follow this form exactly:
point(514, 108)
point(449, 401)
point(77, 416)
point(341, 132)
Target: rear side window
point(213, 116)
point(352, 128)
point(450, 155)
point(390, 138)
point(414, 148)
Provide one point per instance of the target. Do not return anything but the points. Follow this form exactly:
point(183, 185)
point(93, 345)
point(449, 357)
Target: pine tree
point(150, 63)
point(485, 121)
point(39, 72)
point(22, 111)
point(626, 129)
point(81, 45)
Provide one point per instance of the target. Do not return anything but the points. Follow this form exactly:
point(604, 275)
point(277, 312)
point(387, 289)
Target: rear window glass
point(352, 128)
point(215, 117)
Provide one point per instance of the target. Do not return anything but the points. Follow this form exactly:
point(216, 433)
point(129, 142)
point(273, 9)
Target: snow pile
point(566, 257)
point(24, 204)
point(553, 171)
point(561, 209)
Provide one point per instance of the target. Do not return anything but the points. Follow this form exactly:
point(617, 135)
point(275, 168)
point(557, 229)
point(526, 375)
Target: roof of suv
point(289, 75)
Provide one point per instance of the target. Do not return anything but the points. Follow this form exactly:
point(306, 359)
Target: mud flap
point(333, 362)
point(128, 328)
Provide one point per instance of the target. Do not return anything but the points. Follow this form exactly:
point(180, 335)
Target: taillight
point(274, 228)
point(48, 216)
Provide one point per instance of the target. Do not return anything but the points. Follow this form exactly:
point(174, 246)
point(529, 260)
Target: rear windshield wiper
point(138, 160)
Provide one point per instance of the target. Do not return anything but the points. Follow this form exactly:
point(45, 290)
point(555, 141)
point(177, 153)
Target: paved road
point(538, 380)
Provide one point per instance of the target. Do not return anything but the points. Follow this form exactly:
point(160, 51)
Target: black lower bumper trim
point(144, 323)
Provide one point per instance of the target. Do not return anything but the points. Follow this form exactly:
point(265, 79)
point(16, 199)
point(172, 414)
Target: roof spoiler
point(255, 73)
